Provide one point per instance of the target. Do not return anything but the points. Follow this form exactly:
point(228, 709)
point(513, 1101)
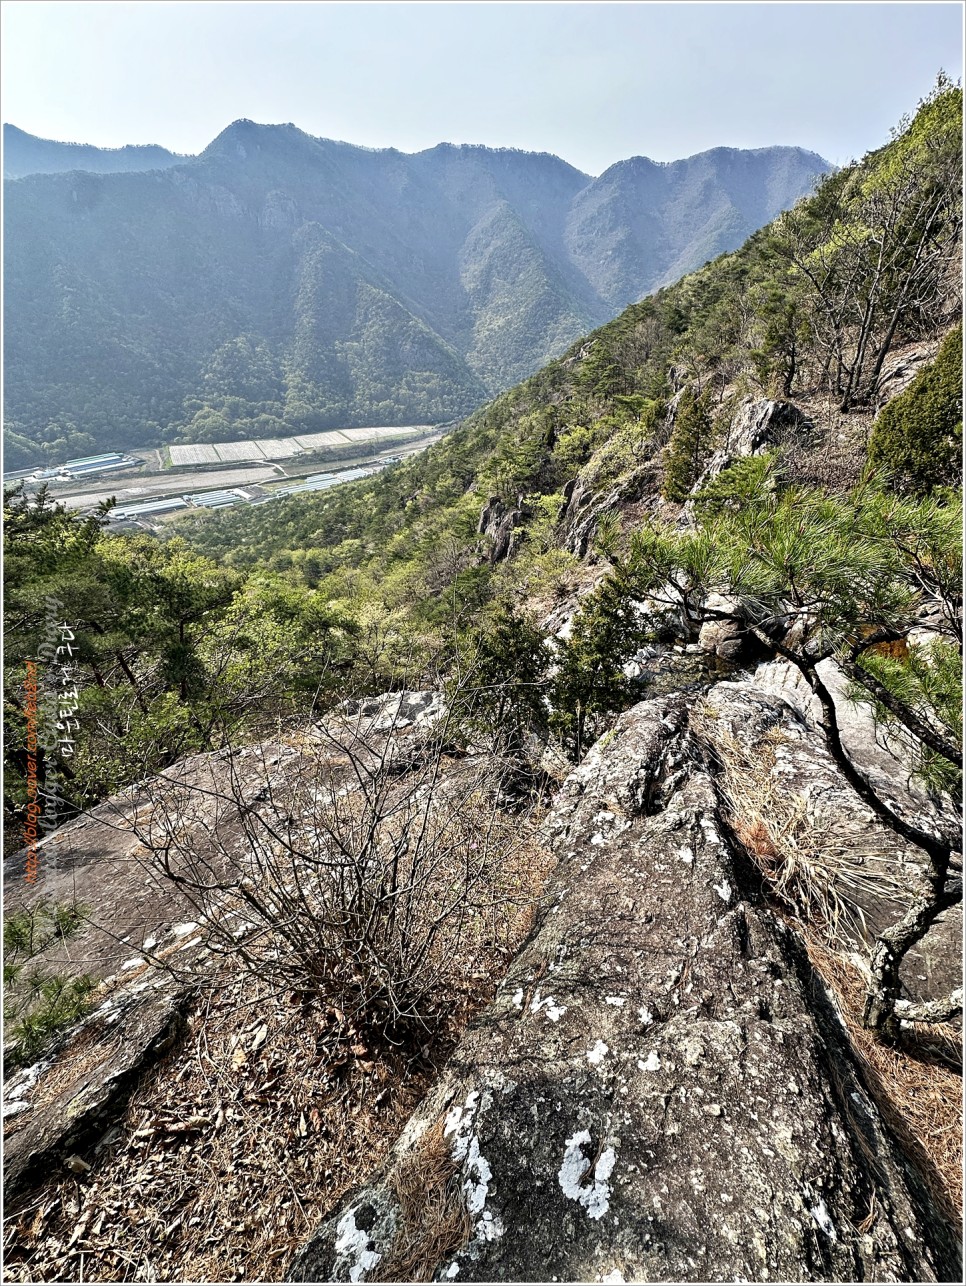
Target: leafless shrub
point(361, 868)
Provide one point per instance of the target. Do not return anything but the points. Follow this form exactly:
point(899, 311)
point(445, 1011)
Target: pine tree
point(590, 681)
point(688, 447)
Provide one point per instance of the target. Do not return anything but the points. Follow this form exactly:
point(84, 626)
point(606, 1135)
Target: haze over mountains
point(279, 283)
point(24, 153)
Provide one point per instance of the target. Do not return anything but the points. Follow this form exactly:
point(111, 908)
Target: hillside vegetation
point(590, 780)
point(808, 311)
point(279, 283)
point(366, 586)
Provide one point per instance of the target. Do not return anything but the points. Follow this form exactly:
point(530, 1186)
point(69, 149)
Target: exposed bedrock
point(662, 1089)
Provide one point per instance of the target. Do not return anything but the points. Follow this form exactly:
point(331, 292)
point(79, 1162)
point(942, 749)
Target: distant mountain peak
point(25, 154)
point(280, 283)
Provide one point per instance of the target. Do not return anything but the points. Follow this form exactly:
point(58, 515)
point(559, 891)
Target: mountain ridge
point(124, 289)
point(32, 154)
point(20, 138)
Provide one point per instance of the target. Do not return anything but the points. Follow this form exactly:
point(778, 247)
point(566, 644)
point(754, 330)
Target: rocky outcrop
point(68, 1100)
point(139, 945)
point(584, 503)
point(901, 369)
point(139, 940)
point(663, 1089)
point(498, 525)
point(757, 426)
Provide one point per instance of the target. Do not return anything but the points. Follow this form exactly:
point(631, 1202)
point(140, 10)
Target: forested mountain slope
point(698, 585)
point(830, 310)
point(279, 283)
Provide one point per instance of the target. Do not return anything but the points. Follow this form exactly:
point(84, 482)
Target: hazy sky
point(594, 83)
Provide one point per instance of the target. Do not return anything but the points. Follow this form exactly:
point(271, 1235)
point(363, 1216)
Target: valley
point(280, 285)
point(192, 475)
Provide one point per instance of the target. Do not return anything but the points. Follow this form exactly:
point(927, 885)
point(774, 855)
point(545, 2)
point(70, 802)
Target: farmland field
point(194, 455)
point(285, 448)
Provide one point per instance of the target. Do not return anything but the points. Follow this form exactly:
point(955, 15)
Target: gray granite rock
point(662, 1089)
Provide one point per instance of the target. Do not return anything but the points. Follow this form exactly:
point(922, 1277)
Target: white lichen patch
point(821, 1216)
point(617, 1001)
point(459, 1122)
point(645, 1015)
point(686, 855)
point(21, 1083)
point(353, 1242)
point(596, 1198)
point(489, 1228)
point(478, 1176)
point(616, 1276)
point(517, 1001)
point(598, 1053)
point(723, 891)
point(652, 1063)
point(549, 1006)
point(476, 1172)
point(710, 831)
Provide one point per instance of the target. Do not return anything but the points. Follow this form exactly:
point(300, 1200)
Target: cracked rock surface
point(662, 1089)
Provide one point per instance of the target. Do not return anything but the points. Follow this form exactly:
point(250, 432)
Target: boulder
point(397, 713)
point(662, 1089)
point(723, 632)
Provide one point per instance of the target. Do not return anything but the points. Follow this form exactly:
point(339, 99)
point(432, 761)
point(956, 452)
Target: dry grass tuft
point(435, 1222)
point(812, 873)
point(916, 1089)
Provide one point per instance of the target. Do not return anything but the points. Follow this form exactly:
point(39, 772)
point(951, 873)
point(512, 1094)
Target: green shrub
point(38, 1004)
point(690, 444)
point(919, 433)
point(590, 684)
point(53, 1003)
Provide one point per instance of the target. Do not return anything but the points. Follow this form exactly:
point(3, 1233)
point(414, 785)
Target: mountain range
point(24, 153)
point(279, 283)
